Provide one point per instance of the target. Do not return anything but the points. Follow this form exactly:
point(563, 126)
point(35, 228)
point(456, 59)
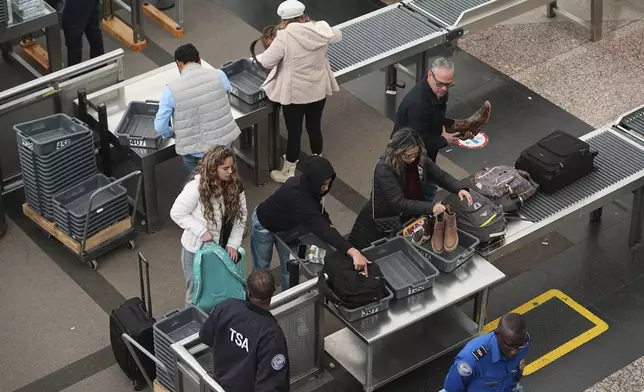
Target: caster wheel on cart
point(131, 245)
point(47, 235)
point(93, 265)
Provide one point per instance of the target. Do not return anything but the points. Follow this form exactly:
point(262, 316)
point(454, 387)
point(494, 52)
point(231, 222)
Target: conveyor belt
point(617, 160)
point(634, 121)
point(378, 34)
point(448, 12)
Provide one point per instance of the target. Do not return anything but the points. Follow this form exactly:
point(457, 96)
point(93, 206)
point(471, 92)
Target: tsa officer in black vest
point(248, 345)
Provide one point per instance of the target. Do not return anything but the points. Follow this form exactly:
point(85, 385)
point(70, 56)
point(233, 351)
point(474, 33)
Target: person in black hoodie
point(299, 202)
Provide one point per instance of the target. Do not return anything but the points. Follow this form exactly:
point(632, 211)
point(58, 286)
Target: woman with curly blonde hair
point(211, 208)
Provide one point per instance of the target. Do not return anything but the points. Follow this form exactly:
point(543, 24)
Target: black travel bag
point(350, 288)
point(134, 318)
point(557, 160)
point(483, 219)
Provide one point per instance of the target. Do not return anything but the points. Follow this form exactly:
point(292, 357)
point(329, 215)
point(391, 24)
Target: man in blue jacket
point(493, 362)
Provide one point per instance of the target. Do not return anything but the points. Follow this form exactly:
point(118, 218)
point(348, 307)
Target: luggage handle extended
point(131, 343)
point(147, 307)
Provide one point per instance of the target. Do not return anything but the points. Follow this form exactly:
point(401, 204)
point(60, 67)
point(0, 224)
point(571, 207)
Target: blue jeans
point(429, 191)
point(261, 248)
point(190, 162)
point(187, 259)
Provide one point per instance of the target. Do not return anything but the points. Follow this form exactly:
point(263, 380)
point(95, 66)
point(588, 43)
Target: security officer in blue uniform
point(493, 362)
point(248, 345)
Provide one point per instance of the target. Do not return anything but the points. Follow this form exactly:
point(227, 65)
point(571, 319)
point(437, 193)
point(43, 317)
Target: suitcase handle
point(148, 307)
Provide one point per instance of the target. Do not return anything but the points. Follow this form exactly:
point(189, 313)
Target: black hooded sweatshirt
point(299, 203)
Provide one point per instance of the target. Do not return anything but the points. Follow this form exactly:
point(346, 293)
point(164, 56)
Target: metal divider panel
point(377, 34)
point(447, 11)
point(617, 160)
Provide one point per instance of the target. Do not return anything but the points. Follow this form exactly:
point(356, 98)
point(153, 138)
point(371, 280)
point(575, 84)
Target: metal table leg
point(421, 67)
point(637, 215)
point(150, 201)
point(261, 147)
point(596, 19)
point(480, 308)
point(369, 375)
point(54, 48)
point(550, 9)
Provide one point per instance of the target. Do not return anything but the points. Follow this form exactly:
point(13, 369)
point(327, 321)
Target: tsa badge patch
point(278, 362)
point(464, 369)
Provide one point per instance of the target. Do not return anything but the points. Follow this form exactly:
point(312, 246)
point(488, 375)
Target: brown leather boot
point(451, 234)
point(438, 236)
point(474, 122)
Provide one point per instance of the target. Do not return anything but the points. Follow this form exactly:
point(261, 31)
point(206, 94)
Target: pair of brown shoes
point(472, 123)
point(445, 236)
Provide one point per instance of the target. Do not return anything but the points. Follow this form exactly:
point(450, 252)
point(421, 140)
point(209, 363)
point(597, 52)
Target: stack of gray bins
point(173, 328)
point(72, 205)
point(56, 153)
point(27, 9)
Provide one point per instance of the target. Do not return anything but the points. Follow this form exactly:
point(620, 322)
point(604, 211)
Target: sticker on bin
point(368, 312)
point(28, 143)
point(63, 143)
point(414, 290)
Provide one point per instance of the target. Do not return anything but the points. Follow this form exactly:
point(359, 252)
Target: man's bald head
point(260, 285)
point(512, 334)
point(513, 323)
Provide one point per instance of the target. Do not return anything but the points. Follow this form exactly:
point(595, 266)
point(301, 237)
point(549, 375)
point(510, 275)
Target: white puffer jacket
point(187, 212)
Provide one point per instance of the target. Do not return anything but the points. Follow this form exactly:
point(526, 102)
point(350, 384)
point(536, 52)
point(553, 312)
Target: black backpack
point(557, 160)
point(483, 219)
point(350, 288)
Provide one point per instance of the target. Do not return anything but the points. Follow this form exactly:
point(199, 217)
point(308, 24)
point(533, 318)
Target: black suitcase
point(134, 318)
point(557, 160)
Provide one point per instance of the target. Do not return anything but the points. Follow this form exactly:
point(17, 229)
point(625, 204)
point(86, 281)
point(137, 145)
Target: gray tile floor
point(55, 310)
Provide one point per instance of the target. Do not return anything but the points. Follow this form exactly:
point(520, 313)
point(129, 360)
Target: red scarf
point(413, 188)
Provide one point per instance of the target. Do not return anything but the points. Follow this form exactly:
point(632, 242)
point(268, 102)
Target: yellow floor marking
point(599, 328)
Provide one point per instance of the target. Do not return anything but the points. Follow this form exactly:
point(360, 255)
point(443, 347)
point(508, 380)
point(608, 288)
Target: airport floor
point(539, 74)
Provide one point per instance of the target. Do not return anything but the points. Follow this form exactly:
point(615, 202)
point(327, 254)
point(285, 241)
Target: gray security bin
point(407, 272)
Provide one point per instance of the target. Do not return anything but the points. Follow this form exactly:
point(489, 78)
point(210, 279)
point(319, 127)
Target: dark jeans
point(190, 163)
point(82, 18)
point(294, 114)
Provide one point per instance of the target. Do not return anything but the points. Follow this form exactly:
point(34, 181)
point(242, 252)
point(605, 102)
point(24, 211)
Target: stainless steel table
point(415, 330)
point(262, 117)
point(47, 21)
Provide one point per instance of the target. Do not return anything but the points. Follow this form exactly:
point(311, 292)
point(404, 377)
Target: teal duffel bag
point(217, 277)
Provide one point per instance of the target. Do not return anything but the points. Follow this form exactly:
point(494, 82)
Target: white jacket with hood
point(300, 69)
point(187, 212)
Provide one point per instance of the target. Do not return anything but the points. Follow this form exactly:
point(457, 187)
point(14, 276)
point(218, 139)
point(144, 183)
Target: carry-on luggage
point(217, 277)
point(506, 186)
point(557, 160)
point(134, 318)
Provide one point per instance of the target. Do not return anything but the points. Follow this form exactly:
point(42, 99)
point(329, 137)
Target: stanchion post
point(137, 21)
point(103, 132)
point(108, 12)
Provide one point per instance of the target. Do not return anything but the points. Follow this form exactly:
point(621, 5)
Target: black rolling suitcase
point(134, 318)
point(557, 160)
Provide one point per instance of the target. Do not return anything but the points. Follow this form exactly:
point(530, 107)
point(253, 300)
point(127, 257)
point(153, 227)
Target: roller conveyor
point(617, 160)
point(378, 34)
point(381, 38)
point(446, 12)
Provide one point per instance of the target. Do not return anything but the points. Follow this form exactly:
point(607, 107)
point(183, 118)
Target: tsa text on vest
point(239, 339)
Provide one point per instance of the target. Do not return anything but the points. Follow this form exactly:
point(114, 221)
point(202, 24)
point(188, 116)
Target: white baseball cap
point(290, 9)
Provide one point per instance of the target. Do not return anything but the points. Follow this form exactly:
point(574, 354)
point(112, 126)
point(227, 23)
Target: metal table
point(415, 330)
point(619, 171)
point(18, 28)
point(262, 117)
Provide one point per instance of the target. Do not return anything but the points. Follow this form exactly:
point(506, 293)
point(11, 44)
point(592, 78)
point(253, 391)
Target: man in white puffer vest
point(197, 101)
